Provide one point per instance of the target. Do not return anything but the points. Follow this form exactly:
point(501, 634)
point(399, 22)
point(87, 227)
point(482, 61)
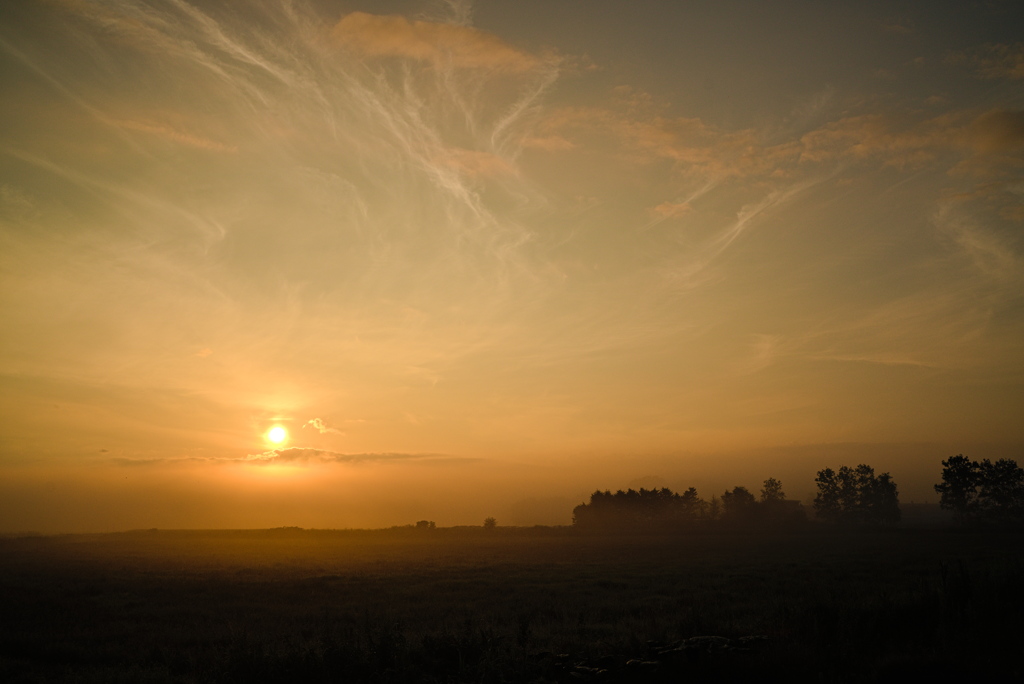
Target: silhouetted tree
point(633, 509)
point(739, 505)
point(884, 500)
point(982, 492)
point(774, 508)
point(490, 523)
point(689, 504)
point(826, 501)
point(1002, 489)
point(714, 508)
point(772, 491)
point(425, 525)
point(959, 488)
point(665, 509)
point(856, 496)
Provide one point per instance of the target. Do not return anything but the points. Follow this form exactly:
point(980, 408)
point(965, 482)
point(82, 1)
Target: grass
point(507, 605)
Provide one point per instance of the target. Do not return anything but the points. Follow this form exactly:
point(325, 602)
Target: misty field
point(510, 605)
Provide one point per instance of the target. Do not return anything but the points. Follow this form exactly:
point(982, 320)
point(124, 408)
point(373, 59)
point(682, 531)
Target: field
point(510, 605)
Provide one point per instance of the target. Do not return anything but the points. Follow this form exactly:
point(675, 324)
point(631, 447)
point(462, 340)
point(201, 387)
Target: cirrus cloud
point(438, 44)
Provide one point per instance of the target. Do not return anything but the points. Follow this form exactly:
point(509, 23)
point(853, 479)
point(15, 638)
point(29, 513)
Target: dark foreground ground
point(511, 605)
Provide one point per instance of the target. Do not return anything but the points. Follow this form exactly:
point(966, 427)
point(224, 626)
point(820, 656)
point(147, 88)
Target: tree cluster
point(856, 496)
point(984, 492)
point(638, 509)
point(664, 509)
point(739, 507)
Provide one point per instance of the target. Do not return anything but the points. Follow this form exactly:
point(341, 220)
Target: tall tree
point(827, 501)
point(959, 487)
point(884, 504)
point(1001, 490)
point(772, 491)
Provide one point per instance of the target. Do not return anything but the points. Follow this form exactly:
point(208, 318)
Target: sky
point(481, 259)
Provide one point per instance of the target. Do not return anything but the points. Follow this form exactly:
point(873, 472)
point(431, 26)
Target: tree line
point(665, 509)
point(857, 496)
point(853, 496)
point(978, 493)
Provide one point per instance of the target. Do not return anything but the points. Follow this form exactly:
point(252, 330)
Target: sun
point(277, 434)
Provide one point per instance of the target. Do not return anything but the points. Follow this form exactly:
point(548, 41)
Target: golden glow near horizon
point(463, 243)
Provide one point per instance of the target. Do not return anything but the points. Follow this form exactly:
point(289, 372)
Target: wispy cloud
point(992, 255)
point(321, 427)
point(993, 60)
point(943, 329)
point(409, 171)
point(160, 461)
point(763, 351)
point(978, 141)
point(692, 271)
point(170, 133)
point(640, 136)
point(899, 27)
point(292, 456)
point(299, 455)
point(667, 210)
point(439, 44)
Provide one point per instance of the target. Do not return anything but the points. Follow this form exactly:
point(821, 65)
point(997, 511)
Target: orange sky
point(482, 259)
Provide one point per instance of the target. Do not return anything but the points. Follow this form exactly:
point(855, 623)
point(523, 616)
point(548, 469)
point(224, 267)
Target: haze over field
point(482, 259)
